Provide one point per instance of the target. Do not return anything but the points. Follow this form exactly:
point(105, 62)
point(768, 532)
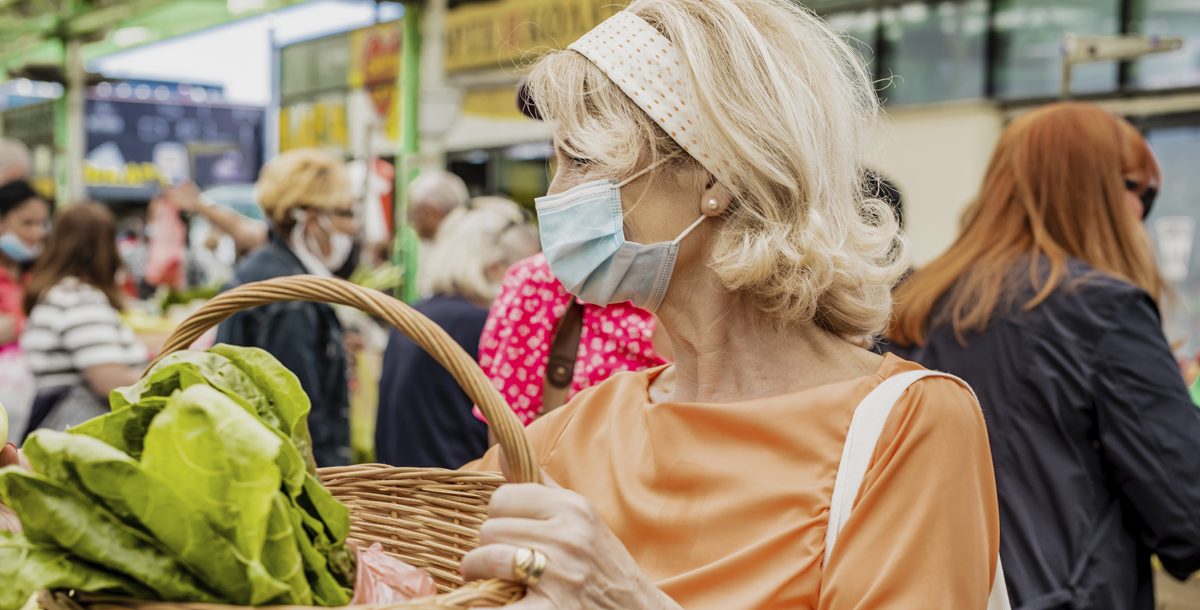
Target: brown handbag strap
point(564, 350)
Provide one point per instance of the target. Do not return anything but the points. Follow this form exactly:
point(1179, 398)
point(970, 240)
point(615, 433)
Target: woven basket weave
point(428, 518)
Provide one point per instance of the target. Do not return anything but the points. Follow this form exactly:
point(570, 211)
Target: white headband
point(647, 67)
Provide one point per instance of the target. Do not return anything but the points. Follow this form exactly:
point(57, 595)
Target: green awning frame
point(32, 31)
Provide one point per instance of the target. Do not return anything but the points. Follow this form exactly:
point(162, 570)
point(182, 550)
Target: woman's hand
point(9, 456)
point(586, 565)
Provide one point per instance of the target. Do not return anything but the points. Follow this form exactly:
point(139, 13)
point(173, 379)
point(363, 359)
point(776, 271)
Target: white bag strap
point(865, 427)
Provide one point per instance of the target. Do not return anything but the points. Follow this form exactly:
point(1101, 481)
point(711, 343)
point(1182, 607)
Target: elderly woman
point(306, 197)
point(709, 170)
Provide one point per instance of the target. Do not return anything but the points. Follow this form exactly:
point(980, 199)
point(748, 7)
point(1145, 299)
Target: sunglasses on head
point(1147, 194)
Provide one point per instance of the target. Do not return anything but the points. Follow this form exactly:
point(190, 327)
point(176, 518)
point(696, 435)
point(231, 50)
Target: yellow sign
point(374, 55)
point(492, 103)
point(503, 34)
point(131, 175)
point(313, 125)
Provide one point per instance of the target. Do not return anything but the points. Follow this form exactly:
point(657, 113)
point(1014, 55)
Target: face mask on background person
point(18, 250)
point(341, 244)
point(583, 238)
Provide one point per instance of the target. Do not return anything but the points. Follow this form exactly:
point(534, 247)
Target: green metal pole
point(406, 240)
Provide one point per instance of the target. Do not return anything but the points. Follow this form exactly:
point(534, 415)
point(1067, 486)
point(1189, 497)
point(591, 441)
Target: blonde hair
point(473, 238)
point(786, 107)
point(301, 178)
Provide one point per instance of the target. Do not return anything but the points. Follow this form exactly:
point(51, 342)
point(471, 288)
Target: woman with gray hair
point(710, 169)
point(425, 419)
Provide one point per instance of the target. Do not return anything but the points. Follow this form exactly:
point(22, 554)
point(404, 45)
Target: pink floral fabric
point(515, 346)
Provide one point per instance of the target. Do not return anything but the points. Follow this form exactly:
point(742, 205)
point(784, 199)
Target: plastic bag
point(383, 579)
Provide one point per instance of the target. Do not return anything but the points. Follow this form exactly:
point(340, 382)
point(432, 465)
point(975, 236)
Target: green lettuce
point(211, 451)
point(27, 567)
point(288, 402)
point(54, 514)
point(282, 550)
point(126, 428)
point(123, 487)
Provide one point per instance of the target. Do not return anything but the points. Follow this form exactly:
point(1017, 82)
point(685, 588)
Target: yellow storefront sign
point(130, 175)
point(375, 66)
point(493, 103)
point(505, 34)
point(313, 125)
point(374, 55)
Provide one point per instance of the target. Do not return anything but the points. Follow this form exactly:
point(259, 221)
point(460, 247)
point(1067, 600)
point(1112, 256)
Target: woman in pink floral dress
point(514, 349)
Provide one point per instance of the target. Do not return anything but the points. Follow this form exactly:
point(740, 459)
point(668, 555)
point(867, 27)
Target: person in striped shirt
point(77, 345)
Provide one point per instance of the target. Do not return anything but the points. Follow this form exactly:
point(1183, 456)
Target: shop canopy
point(32, 32)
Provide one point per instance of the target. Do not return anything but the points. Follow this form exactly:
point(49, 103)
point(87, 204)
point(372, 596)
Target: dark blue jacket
point(1095, 441)
point(425, 418)
point(307, 339)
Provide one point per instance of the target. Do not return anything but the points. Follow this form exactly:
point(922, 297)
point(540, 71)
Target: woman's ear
point(715, 200)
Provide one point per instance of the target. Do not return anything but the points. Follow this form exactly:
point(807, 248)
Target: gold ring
point(528, 566)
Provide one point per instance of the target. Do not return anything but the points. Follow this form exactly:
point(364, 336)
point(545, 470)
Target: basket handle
point(522, 466)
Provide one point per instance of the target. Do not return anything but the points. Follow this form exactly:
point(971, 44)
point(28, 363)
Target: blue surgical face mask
point(14, 248)
point(584, 241)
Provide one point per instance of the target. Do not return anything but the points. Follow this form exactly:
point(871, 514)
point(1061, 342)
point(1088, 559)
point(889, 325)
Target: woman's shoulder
point(937, 400)
point(532, 270)
point(1095, 298)
point(71, 292)
point(270, 261)
point(1087, 280)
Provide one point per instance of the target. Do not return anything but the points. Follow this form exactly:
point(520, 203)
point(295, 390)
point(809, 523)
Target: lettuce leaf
point(184, 369)
point(53, 514)
point(282, 550)
point(288, 402)
point(119, 483)
point(27, 567)
point(327, 591)
point(212, 452)
point(126, 428)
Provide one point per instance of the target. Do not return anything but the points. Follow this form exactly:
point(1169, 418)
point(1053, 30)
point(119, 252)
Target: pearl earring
point(713, 205)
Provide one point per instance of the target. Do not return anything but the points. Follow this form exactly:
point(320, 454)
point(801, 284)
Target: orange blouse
point(725, 505)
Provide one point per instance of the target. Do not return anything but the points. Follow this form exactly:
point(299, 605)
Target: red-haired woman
point(1047, 305)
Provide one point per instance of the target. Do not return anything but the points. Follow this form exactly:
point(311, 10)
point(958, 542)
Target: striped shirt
point(73, 328)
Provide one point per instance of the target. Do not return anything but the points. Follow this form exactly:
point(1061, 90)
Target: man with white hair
point(14, 161)
point(431, 198)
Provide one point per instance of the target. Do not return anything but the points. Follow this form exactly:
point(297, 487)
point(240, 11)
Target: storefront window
point(1173, 226)
point(1168, 18)
point(859, 28)
point(934, 51)
point(1030, 34)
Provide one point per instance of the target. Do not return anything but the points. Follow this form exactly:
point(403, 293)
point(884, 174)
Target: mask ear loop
point(643, 172)
point(688, 231)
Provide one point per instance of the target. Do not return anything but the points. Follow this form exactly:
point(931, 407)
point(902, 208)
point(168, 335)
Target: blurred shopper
point(432, 196)
point(305, 195)
point(541, 346)
point(424, 417)
point(74, 338)
point(14, 161)
point(1047, 305)
point(24, 218)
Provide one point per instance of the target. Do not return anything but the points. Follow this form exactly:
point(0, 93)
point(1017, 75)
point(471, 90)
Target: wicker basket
point(429, 518)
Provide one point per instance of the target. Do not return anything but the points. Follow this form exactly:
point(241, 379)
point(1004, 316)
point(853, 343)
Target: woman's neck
point(726, 352)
